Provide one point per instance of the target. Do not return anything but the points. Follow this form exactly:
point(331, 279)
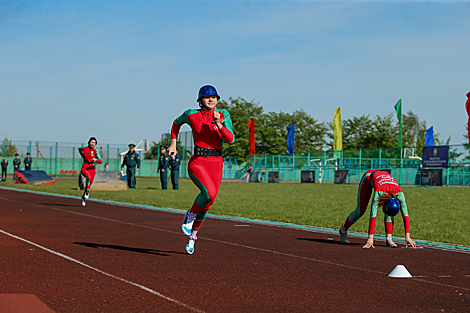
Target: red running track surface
point(116, 258)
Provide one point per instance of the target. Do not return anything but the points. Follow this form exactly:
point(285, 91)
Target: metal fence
point(62, 158)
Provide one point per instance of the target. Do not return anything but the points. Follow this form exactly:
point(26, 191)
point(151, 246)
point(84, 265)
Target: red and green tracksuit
point(382, 182)
point(205, 171)
point(88, 166)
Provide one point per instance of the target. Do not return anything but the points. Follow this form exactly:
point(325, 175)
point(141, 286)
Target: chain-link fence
point(62, 158)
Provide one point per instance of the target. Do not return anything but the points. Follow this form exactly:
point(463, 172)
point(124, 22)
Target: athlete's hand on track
point(369, 244)
point(409, 241)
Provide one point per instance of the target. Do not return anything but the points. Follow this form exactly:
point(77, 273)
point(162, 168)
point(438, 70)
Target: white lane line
point(102, 272)
point(245, 246)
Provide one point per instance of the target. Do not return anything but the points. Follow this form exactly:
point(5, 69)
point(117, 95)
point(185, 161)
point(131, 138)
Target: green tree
point(10, 148)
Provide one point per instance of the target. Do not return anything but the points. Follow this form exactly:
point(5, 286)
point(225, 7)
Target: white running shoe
point(83, 200)
point(190, 244)
point(188, 221)
point(86, 195)
point(389, 243)
point(343, 235)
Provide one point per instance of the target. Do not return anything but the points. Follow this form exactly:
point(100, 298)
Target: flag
point(467, 106)
point(290, 138)
point(398, 109)
point(429, 137)
point(251, 128)
point(337, 130)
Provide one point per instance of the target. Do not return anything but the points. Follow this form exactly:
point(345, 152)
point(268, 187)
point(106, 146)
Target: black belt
point(206, 152)
point(88, 162)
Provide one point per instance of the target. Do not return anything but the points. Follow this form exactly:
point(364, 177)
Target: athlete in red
point(387, 193)
point(90, 156)
point(210, 128)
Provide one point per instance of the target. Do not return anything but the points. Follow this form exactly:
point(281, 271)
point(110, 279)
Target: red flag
point(467, 106)
point(251, 128)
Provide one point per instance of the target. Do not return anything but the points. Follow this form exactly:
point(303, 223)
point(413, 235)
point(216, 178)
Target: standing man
point(175, 169)
point(131, 160)
point(16, 163)
point(163, 166)
point(4, 167)
point(27, 162)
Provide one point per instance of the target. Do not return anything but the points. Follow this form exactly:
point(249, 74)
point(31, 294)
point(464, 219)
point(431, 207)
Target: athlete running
point(210, 127)
point(90, 156)
point(387, 195)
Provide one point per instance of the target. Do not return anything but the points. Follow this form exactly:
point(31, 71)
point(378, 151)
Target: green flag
point(398, 109)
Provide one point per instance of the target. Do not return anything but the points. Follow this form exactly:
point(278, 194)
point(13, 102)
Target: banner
point(431, 177)
point(467, 106)
point(398, 109)
point(307, 177)
point(273, 177)
point(436, 156)
point(429, 137)
point(290, 138)
point(337, 130)
point(251, 128)
point(340, 176)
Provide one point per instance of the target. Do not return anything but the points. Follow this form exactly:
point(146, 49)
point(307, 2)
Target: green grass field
point(436, 214)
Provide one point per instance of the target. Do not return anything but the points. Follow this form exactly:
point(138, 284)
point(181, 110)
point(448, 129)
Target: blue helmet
point(207, 90)
point(92, 138)
point(391, 207)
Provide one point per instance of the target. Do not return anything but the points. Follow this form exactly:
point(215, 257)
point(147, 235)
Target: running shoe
point(83, 200)
point(389, 243)
point(86, 195)
point(188, 222)
point(343, 236)
point(190, 244)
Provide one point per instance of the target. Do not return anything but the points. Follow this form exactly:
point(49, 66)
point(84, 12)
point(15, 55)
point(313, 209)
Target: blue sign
point(435, 156)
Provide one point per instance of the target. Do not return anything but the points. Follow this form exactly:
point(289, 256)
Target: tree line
point(359, 132)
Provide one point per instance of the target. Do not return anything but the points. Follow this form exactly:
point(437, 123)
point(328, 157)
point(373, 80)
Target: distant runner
point(387, 195)
point(90, 156)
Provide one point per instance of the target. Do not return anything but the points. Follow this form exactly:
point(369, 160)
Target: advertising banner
point(435, 156)
point(340, 176)
point(307, 177)
point(431, 177)
point(273, 177)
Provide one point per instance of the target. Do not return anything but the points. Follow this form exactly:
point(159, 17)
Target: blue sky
point(124, 70)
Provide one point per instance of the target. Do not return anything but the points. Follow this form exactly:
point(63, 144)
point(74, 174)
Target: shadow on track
point(331, 242)
point(130, 249)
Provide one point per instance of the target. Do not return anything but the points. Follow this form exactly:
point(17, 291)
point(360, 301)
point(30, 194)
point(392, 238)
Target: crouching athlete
point(90, 155)
point(210, 127)
point(387, 195)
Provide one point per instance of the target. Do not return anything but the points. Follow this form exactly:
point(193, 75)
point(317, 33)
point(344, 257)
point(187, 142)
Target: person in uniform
point(4, 168)
point(131, 161)
point(16, 163)
point(175, 162)
point(27, 162)
point(163, 166)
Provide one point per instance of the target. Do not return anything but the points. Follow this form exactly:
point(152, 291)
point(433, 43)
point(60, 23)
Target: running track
point(116, 258)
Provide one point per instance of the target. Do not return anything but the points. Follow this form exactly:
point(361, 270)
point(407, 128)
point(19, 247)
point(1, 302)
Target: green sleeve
point(184, 118)
point(403, 207)
point(98, 155)
point(375, 204)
